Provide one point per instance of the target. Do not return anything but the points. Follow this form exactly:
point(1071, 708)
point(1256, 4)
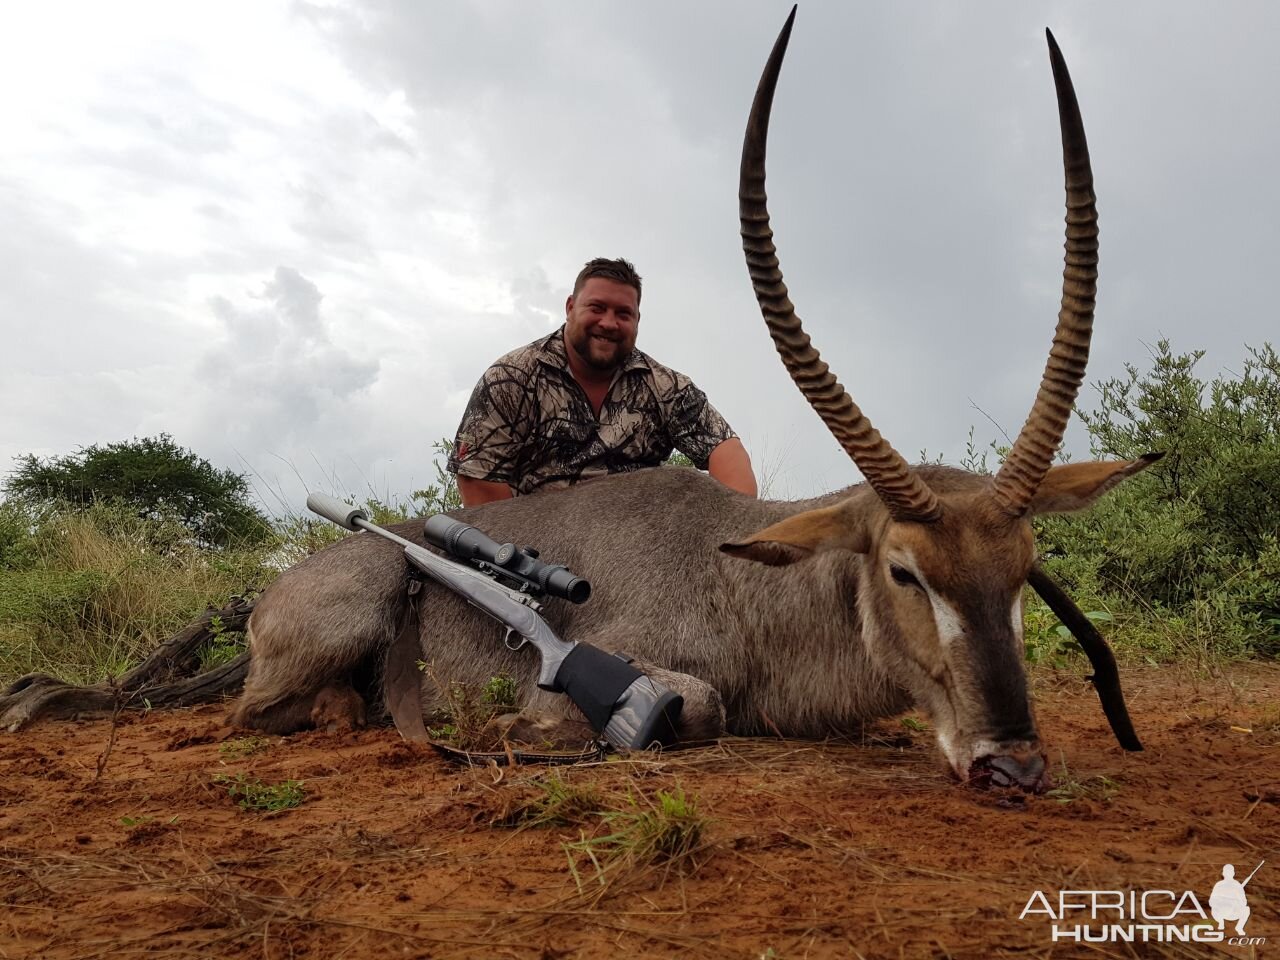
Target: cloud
point(275, 381)
point(295, 234)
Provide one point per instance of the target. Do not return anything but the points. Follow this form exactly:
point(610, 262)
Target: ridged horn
point(1032, 453)
point(904, 494)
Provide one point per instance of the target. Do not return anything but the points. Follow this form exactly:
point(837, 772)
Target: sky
point(292, 235)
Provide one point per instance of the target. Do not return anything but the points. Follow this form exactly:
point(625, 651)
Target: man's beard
point(600, 354)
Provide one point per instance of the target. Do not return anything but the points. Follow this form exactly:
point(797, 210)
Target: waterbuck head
point(946, 553)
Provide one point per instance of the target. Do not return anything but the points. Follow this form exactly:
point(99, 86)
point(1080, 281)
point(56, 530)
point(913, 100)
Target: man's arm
point(731, 465)
point(475, 492)
point(490, 436)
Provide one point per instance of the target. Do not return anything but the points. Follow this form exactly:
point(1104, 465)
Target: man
point(582, 402)
point(1228, 900)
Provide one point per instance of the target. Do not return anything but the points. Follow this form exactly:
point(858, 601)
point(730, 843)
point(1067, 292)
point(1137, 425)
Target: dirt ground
point(851, 848)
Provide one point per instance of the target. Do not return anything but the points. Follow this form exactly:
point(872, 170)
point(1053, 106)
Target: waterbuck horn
point(1032, 453)
point(904, 494)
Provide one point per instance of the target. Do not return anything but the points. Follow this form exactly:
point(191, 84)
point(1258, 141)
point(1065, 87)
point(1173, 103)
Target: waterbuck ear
point(798, 537)
point(1074, 486)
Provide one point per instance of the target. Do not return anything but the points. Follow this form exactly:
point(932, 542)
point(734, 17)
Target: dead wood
point(169, 677)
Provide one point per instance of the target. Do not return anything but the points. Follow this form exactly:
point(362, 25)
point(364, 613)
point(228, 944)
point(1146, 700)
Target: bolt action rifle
point(629, 709)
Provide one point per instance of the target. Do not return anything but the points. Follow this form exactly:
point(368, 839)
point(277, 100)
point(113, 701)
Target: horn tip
point(785, 33)
point(1055, 52)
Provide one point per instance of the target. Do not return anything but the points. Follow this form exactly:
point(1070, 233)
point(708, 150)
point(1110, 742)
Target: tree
point(153, 477)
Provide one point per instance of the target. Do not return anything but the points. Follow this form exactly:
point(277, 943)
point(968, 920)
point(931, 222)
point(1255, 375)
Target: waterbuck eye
point(903, 577)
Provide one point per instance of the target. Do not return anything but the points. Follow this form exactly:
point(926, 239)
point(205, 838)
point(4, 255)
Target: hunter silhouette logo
point(1148, 916)
point(1228, 900)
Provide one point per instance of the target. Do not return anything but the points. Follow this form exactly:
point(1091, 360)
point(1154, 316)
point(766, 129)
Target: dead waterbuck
point(807, 618)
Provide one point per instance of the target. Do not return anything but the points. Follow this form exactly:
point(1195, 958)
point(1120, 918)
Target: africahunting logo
point(1148, 916)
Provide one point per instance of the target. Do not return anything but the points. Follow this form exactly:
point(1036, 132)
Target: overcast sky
point(293, 234)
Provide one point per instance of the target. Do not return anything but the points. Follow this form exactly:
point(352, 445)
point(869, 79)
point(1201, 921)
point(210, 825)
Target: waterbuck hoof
point(338, 709)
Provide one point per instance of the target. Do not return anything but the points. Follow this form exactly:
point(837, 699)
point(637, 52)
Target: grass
point(241, 747)
point(1070, 788)
point(626, 831)
point(664, 831)
point(555, 802)
point(94, 590)
point(252, 794)
point(142, 821)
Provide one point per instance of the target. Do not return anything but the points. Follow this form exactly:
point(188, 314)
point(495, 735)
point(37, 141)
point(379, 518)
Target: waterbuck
point(808, 618)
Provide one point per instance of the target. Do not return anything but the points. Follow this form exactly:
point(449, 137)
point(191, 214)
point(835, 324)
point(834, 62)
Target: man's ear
point(1074, 486)
point(568, 305)
point(828, 528)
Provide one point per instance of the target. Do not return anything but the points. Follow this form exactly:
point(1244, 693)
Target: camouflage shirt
point(530, 425)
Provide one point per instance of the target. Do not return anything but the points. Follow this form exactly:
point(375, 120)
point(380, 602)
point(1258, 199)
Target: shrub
point(1185, 555)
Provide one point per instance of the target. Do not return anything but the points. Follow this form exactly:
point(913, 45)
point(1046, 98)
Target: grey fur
point(783, 646)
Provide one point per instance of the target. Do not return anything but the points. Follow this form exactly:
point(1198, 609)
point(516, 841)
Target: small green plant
point(223, 646)
point(914, 723)
point(500, 691)
point(470, 709)
point(1046, 639)
point(666, 831)
point(250, 793)
point(1071, 788)
point(242, 747)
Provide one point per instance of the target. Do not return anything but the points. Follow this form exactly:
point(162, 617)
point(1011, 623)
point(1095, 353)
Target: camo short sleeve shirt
point(529, 423)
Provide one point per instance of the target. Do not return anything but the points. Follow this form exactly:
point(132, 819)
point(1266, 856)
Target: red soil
point(837, 849)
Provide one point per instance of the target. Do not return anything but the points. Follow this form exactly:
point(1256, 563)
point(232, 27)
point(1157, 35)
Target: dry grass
point(99, 589)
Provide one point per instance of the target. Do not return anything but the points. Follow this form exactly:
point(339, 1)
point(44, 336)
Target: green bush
point(1185, 555)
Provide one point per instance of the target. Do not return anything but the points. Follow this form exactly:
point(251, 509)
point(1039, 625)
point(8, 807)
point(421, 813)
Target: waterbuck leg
point(161, 680)
point(402, 680)
point(702, 717)
point(1106, 676)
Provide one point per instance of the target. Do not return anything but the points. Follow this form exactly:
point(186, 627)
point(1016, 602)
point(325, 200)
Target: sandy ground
point(850, 848)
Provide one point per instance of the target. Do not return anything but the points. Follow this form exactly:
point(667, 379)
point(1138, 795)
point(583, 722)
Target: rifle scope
point(466, 543)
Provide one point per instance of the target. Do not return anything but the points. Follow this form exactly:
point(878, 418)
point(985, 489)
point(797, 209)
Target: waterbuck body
point(661, 591)
point(807, 618)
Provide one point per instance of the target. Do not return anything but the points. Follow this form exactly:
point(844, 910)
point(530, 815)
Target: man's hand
point(475, 492)
point(730, 465)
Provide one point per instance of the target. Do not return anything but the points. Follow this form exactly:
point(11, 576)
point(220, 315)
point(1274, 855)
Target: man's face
point(600, 323)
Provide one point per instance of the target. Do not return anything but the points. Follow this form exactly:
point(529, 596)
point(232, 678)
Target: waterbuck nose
point(1021, 769)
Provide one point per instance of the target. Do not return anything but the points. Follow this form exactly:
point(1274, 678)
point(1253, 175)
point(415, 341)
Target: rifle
point(629, 709)
point(1250, 876)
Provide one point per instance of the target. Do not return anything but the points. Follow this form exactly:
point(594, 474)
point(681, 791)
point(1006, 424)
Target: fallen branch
point(166, 678)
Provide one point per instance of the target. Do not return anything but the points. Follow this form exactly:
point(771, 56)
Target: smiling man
point(583, 402)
